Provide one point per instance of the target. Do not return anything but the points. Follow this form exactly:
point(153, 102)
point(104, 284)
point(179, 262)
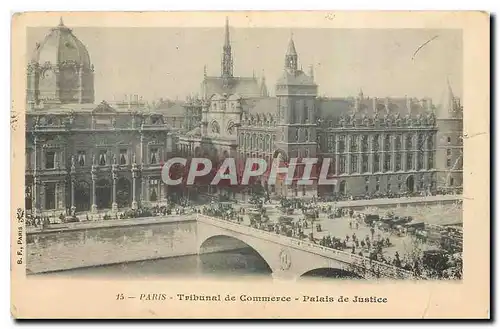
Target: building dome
point(60, 70)
point(60, 46)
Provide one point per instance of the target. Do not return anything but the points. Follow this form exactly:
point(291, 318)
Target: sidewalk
point(86, 225)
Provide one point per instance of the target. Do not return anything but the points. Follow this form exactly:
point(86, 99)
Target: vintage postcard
point(320, 165)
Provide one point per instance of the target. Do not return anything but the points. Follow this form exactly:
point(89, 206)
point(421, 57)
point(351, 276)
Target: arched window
point(387, 143)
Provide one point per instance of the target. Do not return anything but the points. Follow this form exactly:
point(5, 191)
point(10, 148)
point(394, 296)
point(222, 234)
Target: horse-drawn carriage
point(287, 210)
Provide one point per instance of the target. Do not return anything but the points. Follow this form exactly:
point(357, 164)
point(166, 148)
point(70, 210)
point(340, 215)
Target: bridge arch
point(223, 242)
point(330, 272)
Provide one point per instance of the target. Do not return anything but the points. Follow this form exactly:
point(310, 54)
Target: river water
point(81, 254)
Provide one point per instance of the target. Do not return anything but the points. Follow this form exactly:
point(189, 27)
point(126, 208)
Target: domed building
point(85, 157)
point(60, 70)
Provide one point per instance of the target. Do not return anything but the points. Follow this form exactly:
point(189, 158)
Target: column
point(134, 180)
point(393, 163)
point(36, 198)
point(114, 205)
point(143, 151)
point(94, 199)
point(73, 207)
point(404, 153)
point(336, 155)
point(59, 195)
point(415, 151)
point(370, 153)
point(144, 195)
point(382, 147)
point(426, 152)
point(348, 149)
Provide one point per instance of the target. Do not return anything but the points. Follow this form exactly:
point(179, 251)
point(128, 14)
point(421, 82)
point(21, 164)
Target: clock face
point(48, 74)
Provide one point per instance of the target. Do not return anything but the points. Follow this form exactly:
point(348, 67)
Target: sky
point(168, 62)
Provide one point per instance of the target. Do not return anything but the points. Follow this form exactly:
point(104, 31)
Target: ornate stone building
point(82, 156)
point(375, 146)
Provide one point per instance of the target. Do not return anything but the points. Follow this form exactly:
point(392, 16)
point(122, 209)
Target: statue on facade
point(93, 160)
point(133, 158)
point(114, 159)
point(72, 161)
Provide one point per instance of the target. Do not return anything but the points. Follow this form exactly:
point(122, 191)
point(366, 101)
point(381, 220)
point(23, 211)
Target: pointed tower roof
point(227, 41)
point(447, 104)
point(291, 47)
point(263, 87)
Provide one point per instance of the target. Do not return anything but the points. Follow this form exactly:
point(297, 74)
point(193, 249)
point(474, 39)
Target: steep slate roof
point(297, 79)
point(244, 86)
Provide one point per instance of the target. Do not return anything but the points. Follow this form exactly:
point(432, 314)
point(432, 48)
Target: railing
point(356, 260)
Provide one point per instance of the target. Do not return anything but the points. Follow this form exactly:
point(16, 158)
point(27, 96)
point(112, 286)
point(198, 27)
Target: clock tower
point(60, 71)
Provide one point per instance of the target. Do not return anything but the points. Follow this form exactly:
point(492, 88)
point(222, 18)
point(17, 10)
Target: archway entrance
point(103, 194)
point(410, 184)
point(123, 193)
point(82, 196)
point(342, 187)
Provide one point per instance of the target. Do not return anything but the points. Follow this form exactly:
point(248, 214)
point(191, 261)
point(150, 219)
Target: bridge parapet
point(362, 266)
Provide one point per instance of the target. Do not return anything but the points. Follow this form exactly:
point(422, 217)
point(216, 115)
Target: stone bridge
point(290, 258)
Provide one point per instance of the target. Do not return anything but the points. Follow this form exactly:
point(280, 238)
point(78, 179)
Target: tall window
point(154, 156)
point(341, 144)
point(50, 160)
point(342, 164)
point(420, 161)
point(81, 158)
point(364, 143)
point(153, 190)
point(431, 160)
point(376, 143)
point(332, 169)
point(305, 114)
point(354, 163)
point(306, 135)
point(102, 157)
point(50, 196)
point(409, 161)
point(387, 143)
point(420, 142)
point(387, 162)
point(331, 145)
point(354, 143)
point(398, 162)
point(123, 156)
point(430, 143)
point(409, 142)
point(364, 162)
point(448, 163)
point(376, 162)
point(397, 142)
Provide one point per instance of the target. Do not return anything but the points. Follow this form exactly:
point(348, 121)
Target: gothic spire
point(227, 42)
point(291, 56)
point(227, 59)
point(263, 87)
